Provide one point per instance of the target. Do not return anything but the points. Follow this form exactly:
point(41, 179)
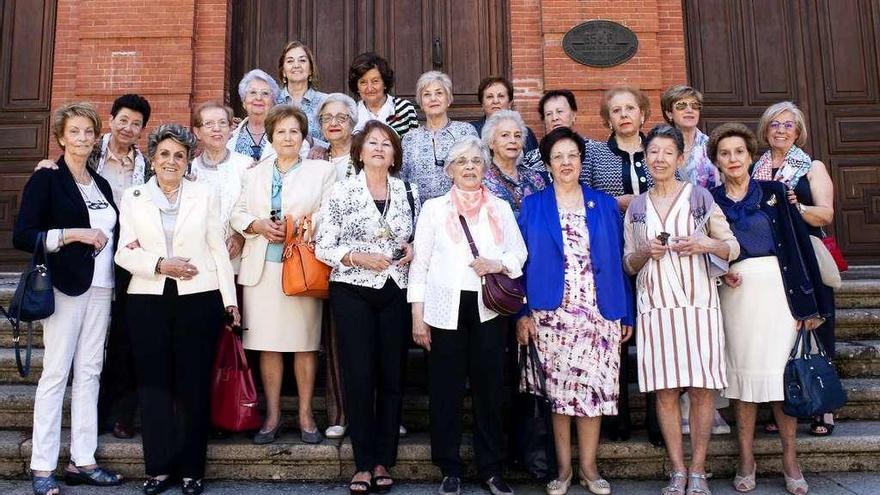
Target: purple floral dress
point(579, 349)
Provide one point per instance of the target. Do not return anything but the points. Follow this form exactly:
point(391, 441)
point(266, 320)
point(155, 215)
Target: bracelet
point(158, 265)
point(61, 238)
point(350, 260)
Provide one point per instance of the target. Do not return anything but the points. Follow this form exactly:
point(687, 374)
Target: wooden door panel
point(403, 36)
point(853, 130)
point(847, 51)
point(715, 46)
point(770, 35)
point(857, 213)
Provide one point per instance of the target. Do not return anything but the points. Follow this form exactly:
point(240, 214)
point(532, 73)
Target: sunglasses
point(682, 105)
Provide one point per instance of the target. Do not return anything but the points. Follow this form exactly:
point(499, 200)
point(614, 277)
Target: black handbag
point(812, 386)
point(533, 445)
point(34, 300)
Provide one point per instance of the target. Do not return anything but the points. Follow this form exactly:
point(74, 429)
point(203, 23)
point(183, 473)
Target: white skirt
point(759, 329)
point(278, 322)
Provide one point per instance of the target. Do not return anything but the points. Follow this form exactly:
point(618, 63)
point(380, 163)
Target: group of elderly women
point(411, 217)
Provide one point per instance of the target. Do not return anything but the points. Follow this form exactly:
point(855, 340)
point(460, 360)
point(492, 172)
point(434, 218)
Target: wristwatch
point(801, 208)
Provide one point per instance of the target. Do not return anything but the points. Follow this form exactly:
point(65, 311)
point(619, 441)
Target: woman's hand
point(626, 333)
point(271, 230)
point(177, 267)
point(371, 261)
point(93, 237)
point(525, 330)
point(810, 324)
point(692, 245)
point(407, 254)
point(421, 331)
point(485, 266)
point(234, 243)
point(133, 244)
point(654, 250)
point(236, 316)
point(792, 197)
point(732, 280)
point(47, 164)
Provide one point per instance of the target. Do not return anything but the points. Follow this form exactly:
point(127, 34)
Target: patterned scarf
point(468, 204)
point(795, 165)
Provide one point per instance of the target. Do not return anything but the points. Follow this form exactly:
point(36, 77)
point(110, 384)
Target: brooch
point(590, 204)
point(137, 192)
point(772, 201)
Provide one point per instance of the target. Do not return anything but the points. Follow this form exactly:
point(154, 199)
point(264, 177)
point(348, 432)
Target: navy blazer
point(544, 270)
point(51, 200)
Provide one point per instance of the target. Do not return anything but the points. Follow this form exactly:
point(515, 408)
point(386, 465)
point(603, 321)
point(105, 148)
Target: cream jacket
point(198, 235)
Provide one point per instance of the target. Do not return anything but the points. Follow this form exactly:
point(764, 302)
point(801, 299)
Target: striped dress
point(679, 337)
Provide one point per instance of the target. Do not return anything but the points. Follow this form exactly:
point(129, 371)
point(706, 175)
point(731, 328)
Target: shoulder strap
point(701, 205)
point(412, 209)
point(467, 233)
point(637, 208)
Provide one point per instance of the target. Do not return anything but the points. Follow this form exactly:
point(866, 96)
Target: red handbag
point(233, 394)
point(836, 253)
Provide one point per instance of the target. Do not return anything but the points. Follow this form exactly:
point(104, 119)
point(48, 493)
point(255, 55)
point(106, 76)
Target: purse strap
point(412, 210)
point(467, 233)
point(38, 263)
point(531, 370)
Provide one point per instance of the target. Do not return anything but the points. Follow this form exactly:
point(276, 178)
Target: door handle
point(437, 54)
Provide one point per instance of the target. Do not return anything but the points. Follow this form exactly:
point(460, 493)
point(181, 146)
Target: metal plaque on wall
point(600, 43)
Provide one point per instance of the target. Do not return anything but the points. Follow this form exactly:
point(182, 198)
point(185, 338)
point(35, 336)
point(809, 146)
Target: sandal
point(771, 427)
point(698, 484)
point(357, 487)
point(385, 487)
point(677, 484)
point(819, 422)
point(42, 485)
point(796, 486)
point(745, 483)
point(95, 477)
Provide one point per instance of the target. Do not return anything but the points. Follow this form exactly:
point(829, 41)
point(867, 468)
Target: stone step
point(858, 359)
point(6, 333)
point(855, 446)
point(857, 323)
point(858, 293)
point(9, 371)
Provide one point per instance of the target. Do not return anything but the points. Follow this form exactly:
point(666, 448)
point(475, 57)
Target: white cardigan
point(440, 269)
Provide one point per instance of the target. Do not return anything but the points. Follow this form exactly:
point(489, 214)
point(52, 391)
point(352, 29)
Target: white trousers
point(75, 335)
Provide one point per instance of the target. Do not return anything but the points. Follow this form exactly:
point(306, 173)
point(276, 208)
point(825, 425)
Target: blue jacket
point(544, 269)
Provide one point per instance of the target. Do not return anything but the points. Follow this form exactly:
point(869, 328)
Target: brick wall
point(539, 62)
point(173, 52)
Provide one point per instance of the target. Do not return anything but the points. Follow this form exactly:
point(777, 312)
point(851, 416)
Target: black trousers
point(174, 338)
point(474, 352)
point(372, 336)
point(117, 401)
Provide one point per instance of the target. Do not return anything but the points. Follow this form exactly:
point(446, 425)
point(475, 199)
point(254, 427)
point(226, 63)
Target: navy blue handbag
point(811, 383)
point(34, 299)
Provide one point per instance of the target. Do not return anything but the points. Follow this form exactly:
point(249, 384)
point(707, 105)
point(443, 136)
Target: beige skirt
point(759, 329)
point(277, 322)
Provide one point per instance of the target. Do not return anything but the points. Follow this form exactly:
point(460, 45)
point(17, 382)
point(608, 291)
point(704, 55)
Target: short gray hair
point(430, 77)
point(773, 111)
point(258, 74)
point(466, 144)
point(496, 119)
point(350, 106)
point(176, 132)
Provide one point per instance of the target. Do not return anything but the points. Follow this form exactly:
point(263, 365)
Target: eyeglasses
point(339, 118)
point(787, 125)
point(258, 94)
point(682, 105)
point(560, 158)
point(220, 124)
point(461, 162)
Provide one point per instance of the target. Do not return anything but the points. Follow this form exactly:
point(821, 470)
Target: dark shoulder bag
point(33, 300)
point(502, 294)
point(532, 444)
point(412, 210)
point(812, 386)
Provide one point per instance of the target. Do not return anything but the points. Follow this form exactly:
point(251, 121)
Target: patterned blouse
point(698, 169)
point(510, 190)
point(532, 161)
point(607, 168)
point(423, 162)
point(310, 104)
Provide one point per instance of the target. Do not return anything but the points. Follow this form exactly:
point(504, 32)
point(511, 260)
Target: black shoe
point(192, 487)
point(96, 477)
point(451, 486)
point(497, 486)
point(656, 438)
point(152, 486)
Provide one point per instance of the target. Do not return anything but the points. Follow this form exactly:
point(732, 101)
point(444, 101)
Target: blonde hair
point(71, 110)
point(774, 111)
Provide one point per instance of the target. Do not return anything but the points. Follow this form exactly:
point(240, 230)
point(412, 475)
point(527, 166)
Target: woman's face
point(495, 98)
point(215, 129)
point(377, 151)
point(507, 142)
point(296, 65)
point(169, 162)
point(257, 98)
point(467, 170)
point(663, 158)
point(733, 158)
point(78, 137)
point(335, 122)
point(371, 87)
point(558, 113)
point(782, 131)
point(685, 113)
point(435, 101)
point(625, 115)
point(565, 162)
point(287, 138)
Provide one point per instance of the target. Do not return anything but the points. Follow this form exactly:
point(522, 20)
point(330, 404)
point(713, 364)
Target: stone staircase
point(855, 445)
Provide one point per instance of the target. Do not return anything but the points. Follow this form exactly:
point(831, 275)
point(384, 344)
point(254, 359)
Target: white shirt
point(365, 115)
point(440, 271)
point(103, 219)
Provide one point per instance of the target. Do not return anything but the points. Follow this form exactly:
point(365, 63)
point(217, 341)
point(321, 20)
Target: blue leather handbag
point(812, 386)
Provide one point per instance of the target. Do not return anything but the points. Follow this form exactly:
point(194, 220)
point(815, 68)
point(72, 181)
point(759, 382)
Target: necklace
point(93, 203)
point(384, 230)
point(210, 164)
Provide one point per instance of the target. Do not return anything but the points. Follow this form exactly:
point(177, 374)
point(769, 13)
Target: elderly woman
point(70, 211)
point(784, 129)
point(495, 93)
point(371, 78)
point(338, 116)
point(557, 108)
point(272, 190)
point(464, 338)
point(681, 105)
point(367, 222)
point(171, 240)
point(218, 167)
point(258, 92)
point(768, 295)
point(504, 135)
point(425, 148)
point(298, 74)
point(675, 236)
point(577, 314)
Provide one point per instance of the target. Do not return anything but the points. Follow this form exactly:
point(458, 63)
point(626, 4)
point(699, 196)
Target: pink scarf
point(468, 204)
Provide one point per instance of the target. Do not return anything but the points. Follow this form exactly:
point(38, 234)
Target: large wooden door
point(27, 38)
point(467, 39)
point(745, 55)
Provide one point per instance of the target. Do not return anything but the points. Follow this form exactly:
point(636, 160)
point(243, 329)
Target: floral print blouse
point(513, 191)
point(423, 161)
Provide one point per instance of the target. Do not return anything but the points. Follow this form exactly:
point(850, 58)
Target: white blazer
point(440, 269)
point(268, 150)
point(198, 236)
point(304, 189)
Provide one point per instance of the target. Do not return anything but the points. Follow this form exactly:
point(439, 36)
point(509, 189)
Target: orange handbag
point(302, 273)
